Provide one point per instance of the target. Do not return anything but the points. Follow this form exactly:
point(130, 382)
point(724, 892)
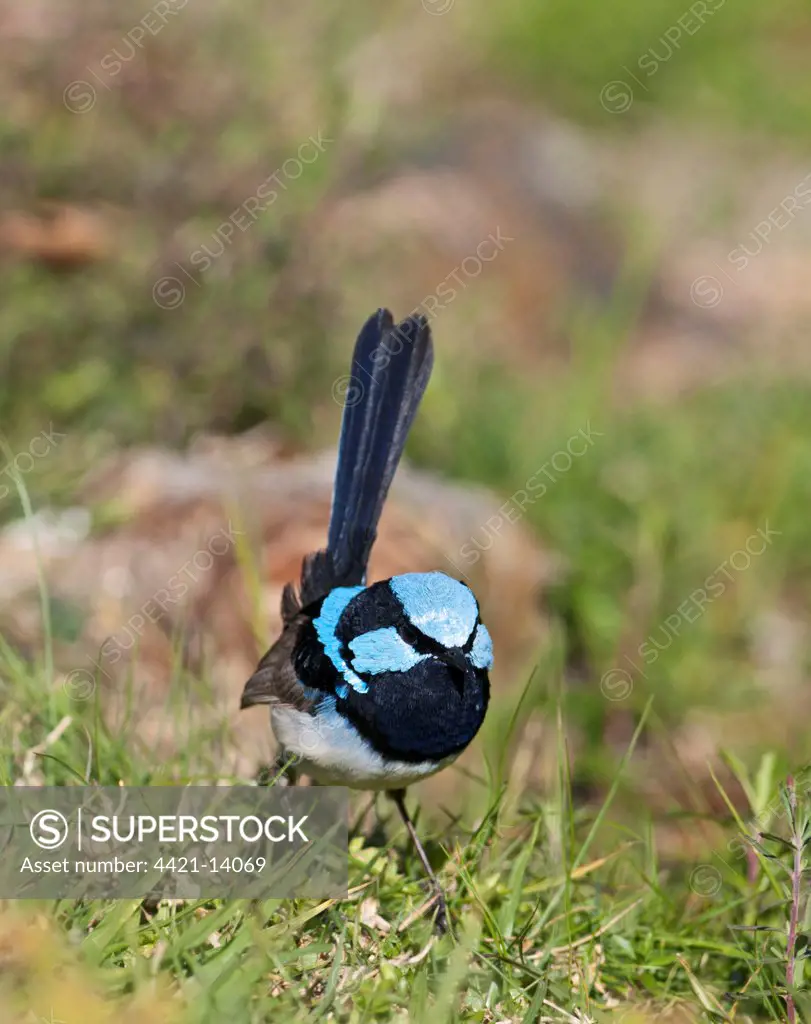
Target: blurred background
point(605, 212)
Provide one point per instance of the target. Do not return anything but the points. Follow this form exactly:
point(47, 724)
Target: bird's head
point(394, 625)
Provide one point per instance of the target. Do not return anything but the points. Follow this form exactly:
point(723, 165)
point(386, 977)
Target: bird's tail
point(390, 370)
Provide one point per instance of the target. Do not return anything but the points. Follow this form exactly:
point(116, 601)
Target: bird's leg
point(441, 919)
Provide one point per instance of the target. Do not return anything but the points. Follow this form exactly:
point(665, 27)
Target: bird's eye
point(410, 635)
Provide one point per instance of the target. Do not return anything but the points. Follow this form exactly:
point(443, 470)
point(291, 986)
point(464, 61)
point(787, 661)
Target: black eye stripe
point(408, 633)
point(471, 640)
point(414, 638)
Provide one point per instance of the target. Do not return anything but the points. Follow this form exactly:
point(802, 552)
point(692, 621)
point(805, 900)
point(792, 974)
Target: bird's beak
point(456, 658)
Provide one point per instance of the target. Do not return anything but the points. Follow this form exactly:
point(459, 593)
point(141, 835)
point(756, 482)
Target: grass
point(565, 898)
point(558, 909)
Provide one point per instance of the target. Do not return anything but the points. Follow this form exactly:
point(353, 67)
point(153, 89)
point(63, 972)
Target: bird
point(375, 686)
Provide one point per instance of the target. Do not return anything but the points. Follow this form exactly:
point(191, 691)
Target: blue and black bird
point(375, 687)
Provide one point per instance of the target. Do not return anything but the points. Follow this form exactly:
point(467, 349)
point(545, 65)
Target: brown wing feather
point(274, 681)
point(291, 603)
point(318, 578)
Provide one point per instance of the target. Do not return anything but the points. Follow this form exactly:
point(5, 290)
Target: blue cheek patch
point(325, 626)
point(383, 650)
point(481, 654)
point(440, 607)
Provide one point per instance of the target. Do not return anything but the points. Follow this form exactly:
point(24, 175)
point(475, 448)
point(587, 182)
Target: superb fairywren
point(375, 687)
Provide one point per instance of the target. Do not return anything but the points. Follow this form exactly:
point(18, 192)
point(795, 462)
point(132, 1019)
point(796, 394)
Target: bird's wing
point(275, 681)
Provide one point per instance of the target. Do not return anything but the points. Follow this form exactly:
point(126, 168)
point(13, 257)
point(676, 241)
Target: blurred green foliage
point(739, 62)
